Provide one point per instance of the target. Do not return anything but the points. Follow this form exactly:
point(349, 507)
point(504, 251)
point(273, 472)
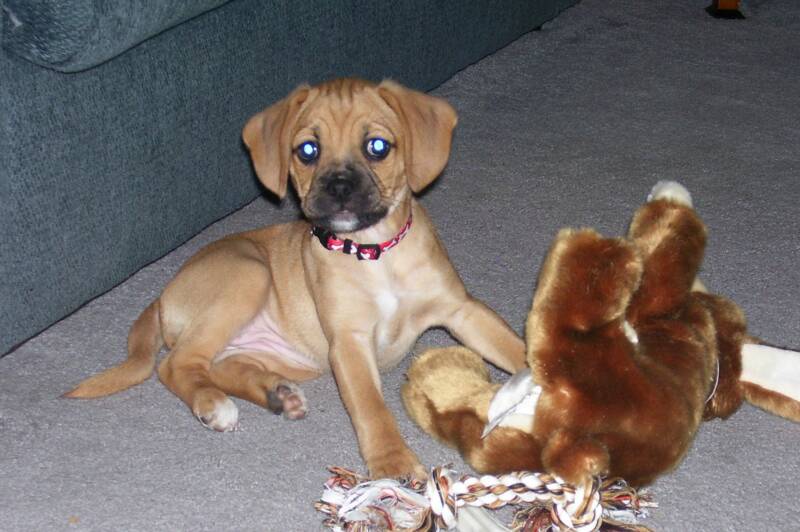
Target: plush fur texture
point(610, 404)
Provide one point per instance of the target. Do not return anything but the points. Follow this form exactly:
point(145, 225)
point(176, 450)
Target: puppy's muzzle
point(340, 187)
point(345, 199)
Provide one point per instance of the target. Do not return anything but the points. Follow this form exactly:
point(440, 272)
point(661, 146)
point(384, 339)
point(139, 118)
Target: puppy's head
point(353, 149)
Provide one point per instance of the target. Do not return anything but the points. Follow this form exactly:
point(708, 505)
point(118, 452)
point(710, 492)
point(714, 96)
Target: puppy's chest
point(399, 321)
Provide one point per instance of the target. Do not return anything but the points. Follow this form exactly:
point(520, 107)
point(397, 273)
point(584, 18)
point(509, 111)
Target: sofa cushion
point(73, 35)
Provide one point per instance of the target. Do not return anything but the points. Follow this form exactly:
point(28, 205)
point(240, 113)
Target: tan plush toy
point(627, 355)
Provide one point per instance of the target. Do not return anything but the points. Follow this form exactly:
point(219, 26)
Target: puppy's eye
point(377, 148)
point(308, 152)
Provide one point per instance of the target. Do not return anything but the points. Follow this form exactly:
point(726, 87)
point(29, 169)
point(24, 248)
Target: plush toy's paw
point(448, 394)
point(574, 457)
point(672, 191)
point(451, 379)
point(671, 239)
point(447, 376)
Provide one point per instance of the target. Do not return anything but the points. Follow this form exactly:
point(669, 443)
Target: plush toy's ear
point(428, 124)
point(267, 136)
point(586, 282)
point(771, 379)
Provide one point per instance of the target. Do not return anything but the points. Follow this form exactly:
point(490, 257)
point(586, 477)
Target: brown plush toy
point(627, 355)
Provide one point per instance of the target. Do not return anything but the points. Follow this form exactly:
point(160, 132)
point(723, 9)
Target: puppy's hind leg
point(186, 373)
point(215, 294)
point(247, 378)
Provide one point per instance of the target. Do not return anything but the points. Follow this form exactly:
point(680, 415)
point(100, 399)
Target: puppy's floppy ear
point(428, 123)
point(267, 136)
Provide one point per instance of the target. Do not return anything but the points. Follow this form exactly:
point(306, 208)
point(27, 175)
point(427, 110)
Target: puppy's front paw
point(215, 410)
point(401, 463)
point(288, 398)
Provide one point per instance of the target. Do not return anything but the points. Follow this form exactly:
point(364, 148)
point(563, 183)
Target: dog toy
point(356, 504)
point(627, 354)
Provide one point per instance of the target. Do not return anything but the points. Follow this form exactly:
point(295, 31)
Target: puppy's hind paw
point(287, 398)
point(218, 413)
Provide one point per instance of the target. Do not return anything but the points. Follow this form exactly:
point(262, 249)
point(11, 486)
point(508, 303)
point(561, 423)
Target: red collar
point(363, 251)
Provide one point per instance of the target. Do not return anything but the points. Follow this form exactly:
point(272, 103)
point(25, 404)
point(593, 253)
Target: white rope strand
point(355, 503)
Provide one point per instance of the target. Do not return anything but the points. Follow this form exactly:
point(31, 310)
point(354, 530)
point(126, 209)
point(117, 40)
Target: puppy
point(349, 290)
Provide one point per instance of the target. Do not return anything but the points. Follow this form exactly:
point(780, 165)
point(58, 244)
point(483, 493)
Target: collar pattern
point(330, 241)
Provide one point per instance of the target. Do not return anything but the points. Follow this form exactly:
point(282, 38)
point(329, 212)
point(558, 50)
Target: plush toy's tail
point(771, 379)
point(144, 343)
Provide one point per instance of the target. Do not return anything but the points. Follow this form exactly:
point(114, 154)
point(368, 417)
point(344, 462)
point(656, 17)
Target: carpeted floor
point(570, 125)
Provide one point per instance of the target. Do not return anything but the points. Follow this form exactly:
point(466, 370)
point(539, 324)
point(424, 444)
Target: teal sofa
point(120, 132)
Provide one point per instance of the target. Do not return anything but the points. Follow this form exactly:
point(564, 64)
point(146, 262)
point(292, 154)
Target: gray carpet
point(570, 125)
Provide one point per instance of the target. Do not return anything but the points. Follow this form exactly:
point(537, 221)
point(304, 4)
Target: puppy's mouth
point(346, 221)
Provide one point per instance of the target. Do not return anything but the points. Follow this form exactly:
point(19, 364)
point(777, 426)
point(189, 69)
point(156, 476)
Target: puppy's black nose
point(340, 187)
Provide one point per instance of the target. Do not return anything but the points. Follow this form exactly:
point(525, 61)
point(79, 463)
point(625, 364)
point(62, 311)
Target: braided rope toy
point(355, 504)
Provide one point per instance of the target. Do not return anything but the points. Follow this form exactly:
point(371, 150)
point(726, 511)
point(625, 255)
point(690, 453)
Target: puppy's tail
point(144, 343)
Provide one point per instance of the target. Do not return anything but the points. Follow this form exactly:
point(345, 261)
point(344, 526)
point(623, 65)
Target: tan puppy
point(251, 313)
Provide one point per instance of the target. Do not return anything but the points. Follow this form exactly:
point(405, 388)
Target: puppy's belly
point(262, 339)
